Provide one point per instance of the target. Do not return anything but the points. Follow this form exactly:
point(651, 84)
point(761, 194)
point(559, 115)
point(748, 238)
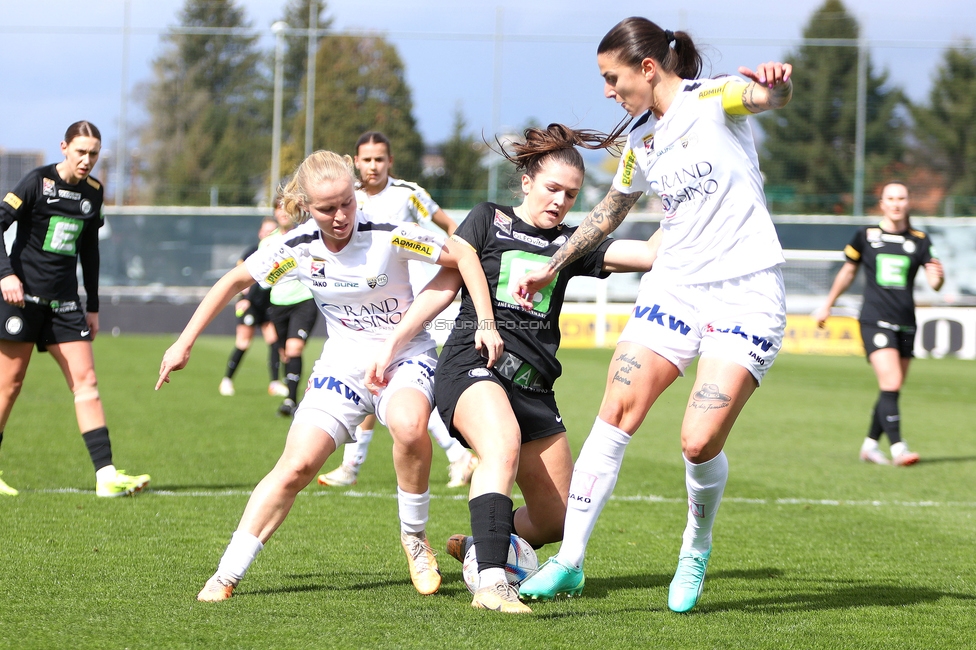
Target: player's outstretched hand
point(768, 74)
point(531, 283)
point(820, 314)
point(489, 342)
point(176, 358)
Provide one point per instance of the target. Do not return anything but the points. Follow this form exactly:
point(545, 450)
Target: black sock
point(99, 447)
point(274, 360)
point(293, 374)
point(875, 431)
point(235, 359)
point(491, 527)
point(888, 415)
point(1, 437)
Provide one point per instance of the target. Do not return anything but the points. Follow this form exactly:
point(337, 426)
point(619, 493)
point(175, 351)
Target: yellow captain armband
point(732, 98)
point(852, 253)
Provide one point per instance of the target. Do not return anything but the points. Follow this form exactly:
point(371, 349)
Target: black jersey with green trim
point(509, 248)
point(57, 224)
point(890, 261)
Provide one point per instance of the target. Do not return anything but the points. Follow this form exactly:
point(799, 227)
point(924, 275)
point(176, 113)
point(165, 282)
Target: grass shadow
point(947, 459)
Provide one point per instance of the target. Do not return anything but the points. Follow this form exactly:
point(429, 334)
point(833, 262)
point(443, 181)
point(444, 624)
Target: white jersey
point(700, 158)
point(363, 290)
point(397, 202)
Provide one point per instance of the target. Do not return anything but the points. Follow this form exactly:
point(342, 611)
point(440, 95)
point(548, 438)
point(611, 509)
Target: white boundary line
point(651, 498)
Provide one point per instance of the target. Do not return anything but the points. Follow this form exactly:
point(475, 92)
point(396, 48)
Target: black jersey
point(509, 248)
point(57, 224)
point(890, 261)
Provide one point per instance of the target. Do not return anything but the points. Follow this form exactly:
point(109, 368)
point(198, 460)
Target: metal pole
point(313, 41)
point(278, 29)
point(496, 92)
point(120, 156)
point(861, 125)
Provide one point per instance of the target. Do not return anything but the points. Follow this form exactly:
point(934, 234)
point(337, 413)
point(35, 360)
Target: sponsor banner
point(840, 337)
point(945, 332)
point(578, 325)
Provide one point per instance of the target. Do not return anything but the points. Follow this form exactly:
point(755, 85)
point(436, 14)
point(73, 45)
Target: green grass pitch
point(813, 549)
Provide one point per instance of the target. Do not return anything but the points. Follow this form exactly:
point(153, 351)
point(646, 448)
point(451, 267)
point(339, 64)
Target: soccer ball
point(522, 563)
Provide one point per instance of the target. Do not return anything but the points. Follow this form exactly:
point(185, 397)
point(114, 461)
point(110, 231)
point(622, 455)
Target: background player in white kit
point(357, 272)
point(715, 290)
point(385, 199)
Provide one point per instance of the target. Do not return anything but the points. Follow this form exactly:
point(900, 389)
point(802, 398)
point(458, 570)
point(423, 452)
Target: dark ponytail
point(634, 39)
point(84, 129)
point(556, 142)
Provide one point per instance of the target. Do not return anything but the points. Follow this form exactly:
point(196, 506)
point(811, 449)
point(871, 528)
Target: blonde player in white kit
point(385, 199)
point(715, 290)
point(357, 271)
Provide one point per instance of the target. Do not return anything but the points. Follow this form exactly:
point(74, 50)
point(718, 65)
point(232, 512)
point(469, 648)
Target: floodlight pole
point(120, 154)
point(860, 125)
point(496, 105)
point(278, 29)
point(313, 38)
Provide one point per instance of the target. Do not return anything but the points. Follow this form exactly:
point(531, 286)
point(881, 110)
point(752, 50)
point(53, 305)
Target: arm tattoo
point(599, 223)
point(749, 99)
point(757, 99)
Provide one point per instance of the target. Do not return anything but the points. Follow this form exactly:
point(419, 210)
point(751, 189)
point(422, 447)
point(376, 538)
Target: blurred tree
point(808, 151)
point(296, 14)
point(462, 180)
point(209, 111)
point(360, 86)
point(946, 126)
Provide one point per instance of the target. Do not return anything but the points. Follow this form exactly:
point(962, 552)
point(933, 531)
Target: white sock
point(869, 444)
point(241, 551)
point(107, 473)
point(898, 449)
point(705, 483)
point(414, 510)
point(442, 437)
point(354, 454)
point(594, 476)
point(487, 577)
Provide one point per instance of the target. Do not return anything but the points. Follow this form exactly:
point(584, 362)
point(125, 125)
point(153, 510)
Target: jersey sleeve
point(413, 242)
point(854, 250)
point(421, 205)
point(476, 227)
point(271, 265)
point(16, 204)
point(591, 264)
point(928, 250)
point(629, 178)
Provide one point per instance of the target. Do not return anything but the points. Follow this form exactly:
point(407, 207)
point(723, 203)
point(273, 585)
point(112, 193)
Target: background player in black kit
point(253, 312)
point(891, 255)
point(58, 211)
point(508, 414)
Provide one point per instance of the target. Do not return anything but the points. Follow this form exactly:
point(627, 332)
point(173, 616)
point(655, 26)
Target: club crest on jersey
point(909, 246)
point(47, 187)
point(280, 269)
point(86, 206)
point(503, 222)
point(317, 269)
point(378, 281)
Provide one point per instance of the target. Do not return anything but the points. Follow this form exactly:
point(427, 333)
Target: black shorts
point(879, 338)
point(258, 313)
point(294, 321)
point(44, 324)
point(461, 366)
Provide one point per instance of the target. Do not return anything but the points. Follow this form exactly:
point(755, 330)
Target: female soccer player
point(892, 254)
point(253, 312)
point(58, 211)
point(508, 414)
point(293, 313)
point(385, 199)
point(715, 290)
point(357, 272)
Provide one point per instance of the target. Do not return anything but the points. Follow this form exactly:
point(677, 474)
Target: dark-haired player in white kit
point(385, 199)
point(58, 211)
point(891, 253)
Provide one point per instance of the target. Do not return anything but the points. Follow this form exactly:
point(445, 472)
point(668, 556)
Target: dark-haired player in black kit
point(58, 211)
point(508, 413)
point(891, 254)
point(254, 312)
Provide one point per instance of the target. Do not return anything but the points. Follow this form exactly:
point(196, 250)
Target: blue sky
point(60, 62)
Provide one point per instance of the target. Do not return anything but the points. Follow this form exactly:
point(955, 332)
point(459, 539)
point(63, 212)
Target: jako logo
point(331, 383)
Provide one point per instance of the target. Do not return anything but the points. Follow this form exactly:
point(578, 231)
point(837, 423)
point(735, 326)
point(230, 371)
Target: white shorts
point(337, 401)
point(741, 320)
